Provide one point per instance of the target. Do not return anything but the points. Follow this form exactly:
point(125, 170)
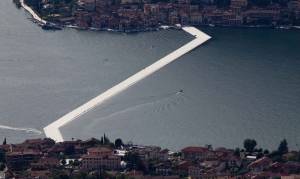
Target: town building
point(198, 153)
point(100, 158)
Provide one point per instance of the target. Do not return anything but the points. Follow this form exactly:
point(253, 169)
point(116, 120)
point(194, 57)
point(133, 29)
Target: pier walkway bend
point(53, 129)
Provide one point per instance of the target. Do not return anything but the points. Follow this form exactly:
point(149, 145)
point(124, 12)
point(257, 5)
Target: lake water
point(244, 83)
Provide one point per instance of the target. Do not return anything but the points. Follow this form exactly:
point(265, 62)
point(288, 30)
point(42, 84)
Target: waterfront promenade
point(53, 129)
point(33, 14)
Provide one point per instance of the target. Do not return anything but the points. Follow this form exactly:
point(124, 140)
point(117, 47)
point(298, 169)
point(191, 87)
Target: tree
point(283, 147)
point(4, 141)
point(249, 145)
point(106, 140)
point(259, 155)
point(118, 143)
point(237, 152)
point(266, 152)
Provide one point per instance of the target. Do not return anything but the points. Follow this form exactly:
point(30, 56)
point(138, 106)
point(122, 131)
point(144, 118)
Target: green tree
point(266, 152)
point(118, 143)
point(106, 140)
point(283, 147)
point(4, 141)
point(237, 152)
point(249, 145)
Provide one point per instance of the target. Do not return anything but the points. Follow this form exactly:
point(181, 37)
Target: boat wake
point(160, 103)
point(27, 130)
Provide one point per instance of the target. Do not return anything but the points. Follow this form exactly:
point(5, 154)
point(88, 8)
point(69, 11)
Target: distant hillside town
point(140, 15)
point(93, 158)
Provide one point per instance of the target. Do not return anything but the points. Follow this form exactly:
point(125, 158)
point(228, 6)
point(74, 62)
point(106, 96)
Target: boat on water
point(51, 26)
point(180, 92)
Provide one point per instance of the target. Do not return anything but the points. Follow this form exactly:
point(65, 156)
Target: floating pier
point(53, 130)
point(33, 14)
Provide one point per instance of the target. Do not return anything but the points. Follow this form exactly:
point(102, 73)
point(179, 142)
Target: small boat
point(180, 92)
point(51, 26)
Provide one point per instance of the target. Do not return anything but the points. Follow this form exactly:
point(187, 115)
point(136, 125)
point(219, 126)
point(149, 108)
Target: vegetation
point(4, 141)
point(118, 143)
point(249, 145)
point(283, 147)
point(134, 162)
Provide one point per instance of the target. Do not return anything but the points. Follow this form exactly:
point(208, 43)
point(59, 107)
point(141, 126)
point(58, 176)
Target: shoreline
point(42, 22)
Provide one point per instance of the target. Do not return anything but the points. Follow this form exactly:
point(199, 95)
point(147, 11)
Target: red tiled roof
point(259, 162)
point(195, 149)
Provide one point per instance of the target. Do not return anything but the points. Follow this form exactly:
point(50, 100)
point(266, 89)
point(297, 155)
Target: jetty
point(53, 130)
